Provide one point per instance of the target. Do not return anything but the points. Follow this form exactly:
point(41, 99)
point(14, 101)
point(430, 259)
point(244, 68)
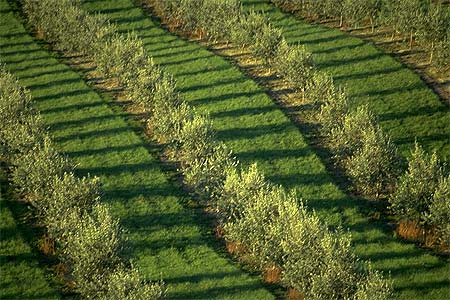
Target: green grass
point(167, 240)
point(22, 274)
point(407, 108)
point(249, 122)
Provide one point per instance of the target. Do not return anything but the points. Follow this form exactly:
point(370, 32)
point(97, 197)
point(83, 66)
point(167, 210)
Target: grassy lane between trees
point(22, 276)
point(407, 108)
point(251, 124)
point(167, 240)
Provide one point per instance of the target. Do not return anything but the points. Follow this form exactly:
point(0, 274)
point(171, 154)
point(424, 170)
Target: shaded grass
point(22, 274)
point(407, 108)
point(167, 240)
point(254, 127)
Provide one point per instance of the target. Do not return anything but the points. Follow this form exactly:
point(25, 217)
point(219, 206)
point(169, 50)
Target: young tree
point(373, 167)
point(439, 210)
point(416, 187)
point(295, 65)
point(344, 140)
point(333, 112)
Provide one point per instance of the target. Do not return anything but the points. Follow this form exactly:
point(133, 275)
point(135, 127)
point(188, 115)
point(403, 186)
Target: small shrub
point(439, 211)
point(416, 187)
point(347, 138)
point(168, 121)
point(318, 263)
point(266, 43)
point(295, 65)
point(33, 172)
point(20, 124)
point(252, 228)
point(239, 186)
point(333, 112)
point(374, 287)
point(245, 31)
point(68, 193)
point(217, 17)
point(91, 244)
point(128, 284)
point(374, 166)
point(121, 57)
point(206, 175)
point(195, 139)
point(141, 89)
point(319, 88)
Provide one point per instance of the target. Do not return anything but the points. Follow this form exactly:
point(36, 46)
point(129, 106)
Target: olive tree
point(415, 188)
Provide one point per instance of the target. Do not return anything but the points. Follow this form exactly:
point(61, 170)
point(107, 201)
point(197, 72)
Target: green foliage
point(142, 88)
point(277, 229)
point(266, 42)
point(237, 189)
point(403, 15)
point(245, 30)
point(91, 244)
point(415, 188)
point(333, 111)
point(195, 139)
point(439, 210)
point(206, 174)
point(33, 171)
point(70, 29)
point(318, 262)
point(320, 88)
point(373, 167)
point(425, 20)
point(344, 140)
point(20, 124)
point(121, 57)
point(89, 238)
point(357, 10)
point(374, 287)
point(68, 193)
point(295, 65)
point(434, 32)
point(127, 284)
point(218, 16)
point(258, 214)
point(167, 122)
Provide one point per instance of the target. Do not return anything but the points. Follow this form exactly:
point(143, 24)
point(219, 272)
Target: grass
point(167, 239)
point(407, 108)
point(249, 122)
point(22, 274)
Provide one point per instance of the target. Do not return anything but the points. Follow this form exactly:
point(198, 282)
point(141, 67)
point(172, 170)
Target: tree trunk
point(411, 36)
point(432, 52)
point(372, 24)
point(341, 21)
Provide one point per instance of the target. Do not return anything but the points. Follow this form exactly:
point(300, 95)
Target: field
point(172, 240)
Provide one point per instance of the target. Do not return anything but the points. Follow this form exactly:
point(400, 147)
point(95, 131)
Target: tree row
point(89, 240)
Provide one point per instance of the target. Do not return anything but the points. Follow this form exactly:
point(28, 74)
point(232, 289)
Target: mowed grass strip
point(167, 240)
point(249, 122)
point(22, 276)
point(407, 108)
